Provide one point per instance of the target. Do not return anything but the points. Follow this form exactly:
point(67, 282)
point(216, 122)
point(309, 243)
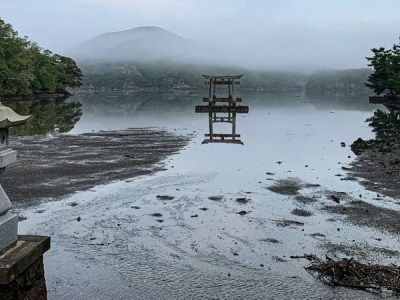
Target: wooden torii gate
point(229, 110)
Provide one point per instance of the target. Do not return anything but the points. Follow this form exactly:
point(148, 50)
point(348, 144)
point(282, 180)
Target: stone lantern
point(21, 256)
point(8, 220)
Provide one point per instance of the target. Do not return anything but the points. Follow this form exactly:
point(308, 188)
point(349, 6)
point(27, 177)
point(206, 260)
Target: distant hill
point(151, 58)
point(173, 77)
point(347, 81)
point(144, 44)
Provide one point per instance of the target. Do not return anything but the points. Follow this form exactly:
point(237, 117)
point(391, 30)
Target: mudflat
point(53, 167)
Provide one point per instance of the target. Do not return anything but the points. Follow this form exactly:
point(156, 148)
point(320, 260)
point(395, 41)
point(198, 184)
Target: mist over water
point(289, 35)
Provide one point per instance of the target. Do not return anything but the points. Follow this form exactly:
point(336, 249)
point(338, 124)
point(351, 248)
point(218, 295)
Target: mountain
point(146, 43)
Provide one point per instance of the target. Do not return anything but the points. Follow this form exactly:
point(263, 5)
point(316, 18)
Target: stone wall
point(29, 285)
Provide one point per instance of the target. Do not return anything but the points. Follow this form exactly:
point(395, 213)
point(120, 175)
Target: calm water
point(198, 248)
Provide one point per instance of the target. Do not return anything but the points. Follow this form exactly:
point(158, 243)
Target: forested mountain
point(153, 59)
point(174, 77)
point(25, 68)
point(168, 76)
point(339, 81)
point(146, 59)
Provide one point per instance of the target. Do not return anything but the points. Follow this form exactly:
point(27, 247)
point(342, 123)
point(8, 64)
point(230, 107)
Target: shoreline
point(25, 97)
point(378, 165)
point(137, 219)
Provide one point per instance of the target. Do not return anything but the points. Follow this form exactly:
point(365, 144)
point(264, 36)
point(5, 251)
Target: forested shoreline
point(173, 77)
point(28, 70)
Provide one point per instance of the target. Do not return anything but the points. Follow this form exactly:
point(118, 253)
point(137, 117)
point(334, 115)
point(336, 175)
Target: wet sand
point(158, 233)
point(204, 241)
point(378, 164)
point(53, 167)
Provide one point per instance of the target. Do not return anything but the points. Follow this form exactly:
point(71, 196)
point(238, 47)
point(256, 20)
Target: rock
point(21, 218)
point(216, 198)
point(243, 212)
point(242, 200)
point(165, 197)
point(317, 234)
point(335, 198)
point(359, 146)
point(156, 215)
point(285, 223)
point(270, 240)
point(346, 168)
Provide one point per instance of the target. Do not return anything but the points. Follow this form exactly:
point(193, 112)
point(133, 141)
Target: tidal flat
point(156, 231)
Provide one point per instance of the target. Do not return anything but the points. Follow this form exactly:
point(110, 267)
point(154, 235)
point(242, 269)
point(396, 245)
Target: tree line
point(25, 68)
point(386, 76)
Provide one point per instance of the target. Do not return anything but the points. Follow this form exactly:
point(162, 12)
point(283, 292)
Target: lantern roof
point(9, 118)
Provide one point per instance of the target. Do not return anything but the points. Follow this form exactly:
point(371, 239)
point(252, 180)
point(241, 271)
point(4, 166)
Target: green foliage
point(385, 124)
point(386, 76)
point(25, 68)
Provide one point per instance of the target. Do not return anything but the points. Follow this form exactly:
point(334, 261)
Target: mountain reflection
point(385, 124)
point(48, 116)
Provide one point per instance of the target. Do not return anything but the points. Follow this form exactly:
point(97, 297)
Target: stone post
point(21, 257)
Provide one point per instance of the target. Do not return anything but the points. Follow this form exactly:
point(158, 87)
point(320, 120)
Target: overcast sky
point(276, 33)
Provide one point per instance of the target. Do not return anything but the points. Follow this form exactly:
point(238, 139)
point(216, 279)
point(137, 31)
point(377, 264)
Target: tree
point(386, 76)
point(25, 68)
point(68, 73)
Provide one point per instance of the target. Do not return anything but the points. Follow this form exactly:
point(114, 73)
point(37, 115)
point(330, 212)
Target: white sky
point(287, 33)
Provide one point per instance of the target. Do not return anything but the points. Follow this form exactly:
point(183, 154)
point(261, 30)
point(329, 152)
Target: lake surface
point(193, 247)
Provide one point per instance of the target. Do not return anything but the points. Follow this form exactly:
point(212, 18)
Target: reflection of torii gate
point(231, 109)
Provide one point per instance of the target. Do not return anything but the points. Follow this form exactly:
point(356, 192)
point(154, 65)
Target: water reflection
point(86, 112)
point(222, 113)
point(222, 137)
point(385, 124)
point(48, 116)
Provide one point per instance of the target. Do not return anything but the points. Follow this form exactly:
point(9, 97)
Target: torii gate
point(231, 109)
